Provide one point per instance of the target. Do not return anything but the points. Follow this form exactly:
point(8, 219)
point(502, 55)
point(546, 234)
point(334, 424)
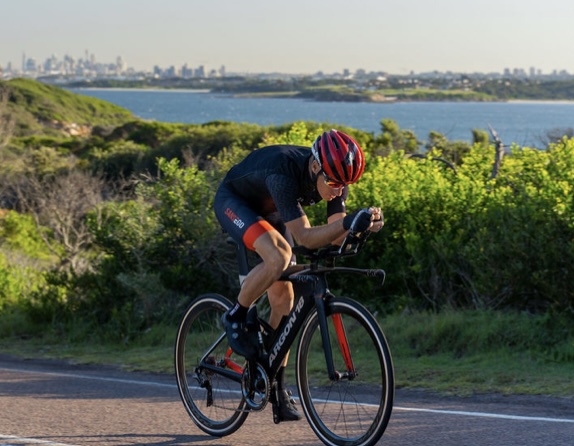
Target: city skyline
point(300, 37)
point(89, 65)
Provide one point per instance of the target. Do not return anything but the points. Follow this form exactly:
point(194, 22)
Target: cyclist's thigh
point(277, 222)
point(238, 219)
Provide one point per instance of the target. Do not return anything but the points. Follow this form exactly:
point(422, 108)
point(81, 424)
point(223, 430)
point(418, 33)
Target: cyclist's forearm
point(313, 237)
point(336, 217)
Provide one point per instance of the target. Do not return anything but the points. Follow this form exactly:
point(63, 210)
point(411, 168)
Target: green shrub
point(452, 239)
point(466, 241)
point(121, 159)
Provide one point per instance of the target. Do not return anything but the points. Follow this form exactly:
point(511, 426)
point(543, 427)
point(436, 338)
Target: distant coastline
point(349, 90)
point(322, 97)
point(540, 101)
point(142, 89)
point(297, 95)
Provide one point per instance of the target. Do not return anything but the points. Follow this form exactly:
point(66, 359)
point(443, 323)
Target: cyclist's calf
point(281, 297)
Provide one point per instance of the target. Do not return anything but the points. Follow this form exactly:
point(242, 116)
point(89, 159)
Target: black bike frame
point(310, 294)
point(311, 291)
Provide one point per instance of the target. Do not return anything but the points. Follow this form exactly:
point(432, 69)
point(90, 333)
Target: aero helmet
point(339, 156)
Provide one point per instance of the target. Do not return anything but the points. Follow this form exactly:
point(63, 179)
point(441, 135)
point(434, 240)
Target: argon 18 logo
point(234, 218)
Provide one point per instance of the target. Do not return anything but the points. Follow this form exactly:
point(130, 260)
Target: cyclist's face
point(326, 188)
point(332, 184)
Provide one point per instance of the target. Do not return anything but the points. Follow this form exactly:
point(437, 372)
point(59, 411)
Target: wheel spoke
point(346, 411)
point(208, 376)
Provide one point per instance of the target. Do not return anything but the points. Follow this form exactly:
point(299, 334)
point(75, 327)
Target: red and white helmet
point(339, 156)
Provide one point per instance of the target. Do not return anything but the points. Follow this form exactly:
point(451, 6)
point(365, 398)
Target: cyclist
point(259, 203)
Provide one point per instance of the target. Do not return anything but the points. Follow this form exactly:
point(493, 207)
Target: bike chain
point(261, 377)
point(200, 379)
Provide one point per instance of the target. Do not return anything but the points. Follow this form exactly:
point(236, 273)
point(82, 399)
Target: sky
point(296, 36)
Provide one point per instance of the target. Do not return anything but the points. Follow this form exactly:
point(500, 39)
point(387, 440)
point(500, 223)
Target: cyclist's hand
point(378, 219)
point(358, 221)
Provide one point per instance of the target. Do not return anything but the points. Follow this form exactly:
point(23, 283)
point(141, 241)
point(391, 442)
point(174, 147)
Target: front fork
point(341, 335)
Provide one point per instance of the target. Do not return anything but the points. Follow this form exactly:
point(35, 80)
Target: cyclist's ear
point(315, 168)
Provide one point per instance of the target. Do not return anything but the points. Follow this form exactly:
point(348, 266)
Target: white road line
point(485, 415)
point(23, 440)
point(95, 378)
point(407, 409)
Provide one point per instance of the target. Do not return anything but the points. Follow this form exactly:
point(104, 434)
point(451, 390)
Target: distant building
point(121, 65)
point(85, 67)
point(30, 66)
point(170, 72)
point(186, 72)
point(199, 72)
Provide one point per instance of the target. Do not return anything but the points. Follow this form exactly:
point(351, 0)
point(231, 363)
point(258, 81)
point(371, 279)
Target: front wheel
point(208, 376)
point(355, 408)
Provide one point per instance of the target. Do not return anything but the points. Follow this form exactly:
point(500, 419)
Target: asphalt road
point(58, 404)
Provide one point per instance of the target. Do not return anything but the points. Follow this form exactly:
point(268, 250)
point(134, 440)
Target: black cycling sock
point(237, 313)
point(280, 378)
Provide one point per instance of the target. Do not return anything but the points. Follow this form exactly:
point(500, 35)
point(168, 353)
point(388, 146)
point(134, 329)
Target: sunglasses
point(332, 183)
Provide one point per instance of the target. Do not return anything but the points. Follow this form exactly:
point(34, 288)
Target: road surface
point(57, 404)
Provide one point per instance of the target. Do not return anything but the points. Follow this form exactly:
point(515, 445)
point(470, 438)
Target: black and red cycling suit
point(268, 189)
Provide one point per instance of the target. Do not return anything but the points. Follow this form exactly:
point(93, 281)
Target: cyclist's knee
point(274, 251)
point(277, 262)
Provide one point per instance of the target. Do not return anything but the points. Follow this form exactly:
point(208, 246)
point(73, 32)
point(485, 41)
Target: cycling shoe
point(242, 341)
point(287, 409)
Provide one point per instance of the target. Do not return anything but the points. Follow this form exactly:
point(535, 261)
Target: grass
point(270, 94)
point(483, 352)
point(33, 105)
point(425, 94)
point(483, 373)
point(152, 352)
point(455, 353)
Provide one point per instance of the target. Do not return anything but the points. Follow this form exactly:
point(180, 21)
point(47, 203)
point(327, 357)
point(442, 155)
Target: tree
point(61, 203)
point(556, 135)
point(453, 151)
point(393, 139)
point(6, 121)
point(480, 137)
point(498, 155)
point(6, 128)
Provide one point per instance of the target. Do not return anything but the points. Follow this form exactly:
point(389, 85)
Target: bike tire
point(198, 332)
point(346, 411)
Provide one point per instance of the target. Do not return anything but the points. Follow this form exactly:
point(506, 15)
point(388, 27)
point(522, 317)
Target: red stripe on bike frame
point(342, 339)
point(230, 363)
point(254, 231)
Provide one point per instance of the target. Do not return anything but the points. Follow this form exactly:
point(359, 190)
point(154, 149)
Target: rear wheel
point(208, 375)
point(356, 408)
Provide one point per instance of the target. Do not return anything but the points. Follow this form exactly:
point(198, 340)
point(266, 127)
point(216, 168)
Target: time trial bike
point(343, 369)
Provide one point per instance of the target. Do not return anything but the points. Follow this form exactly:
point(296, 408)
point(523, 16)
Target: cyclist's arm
point(313, 237)
point(333, 218)
point(336, 210)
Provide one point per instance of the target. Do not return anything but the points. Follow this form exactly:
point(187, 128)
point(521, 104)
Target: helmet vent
point(350, 156)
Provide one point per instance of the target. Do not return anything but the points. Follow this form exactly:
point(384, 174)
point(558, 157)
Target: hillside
point(37, 108)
